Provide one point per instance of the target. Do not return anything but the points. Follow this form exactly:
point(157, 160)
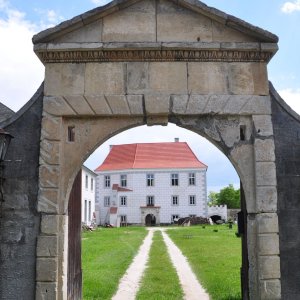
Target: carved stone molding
point(82, 56)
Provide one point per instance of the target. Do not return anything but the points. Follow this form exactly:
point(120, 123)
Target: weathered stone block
point(257, 105)
point(48, 200)
point(90, 33)
point(215, 104)
point(265, 174)
point(105, 79)
point(50, 224)
point(243, 155)
point(134, 24)
point(263, 125)
point(264, 150)
point(270, 289)
point(57, 106)
point(175, 23)
point(179, 103)
point(135, 103)
point(248, 79)
point(266, 198)
point(46, 269)
point(49, 176)
point(222, 33)
point(269, 267)
point(207, 78)
point(267, 223)
point(260, 79)
point(64, 79)
point(196, 104)
point(157, 104)
point(168, 77)
point(118, 104)
point(46, 290)
point(240, 79)
point(99, 105)
point(49, 152)
point(47, 246)
point(137, 77)
point(268, 244)
point(51, 127)
point(79, 105)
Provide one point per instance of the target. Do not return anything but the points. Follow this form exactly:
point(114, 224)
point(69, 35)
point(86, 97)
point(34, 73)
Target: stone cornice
point(124, 55)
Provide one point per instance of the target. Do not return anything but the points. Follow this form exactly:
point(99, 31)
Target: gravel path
point(130, 282)
point(191, 287)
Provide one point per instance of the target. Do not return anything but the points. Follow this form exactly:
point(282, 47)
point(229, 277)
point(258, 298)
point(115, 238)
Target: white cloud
point(289, 7)
point(21, 72)
point(49, 18)
point(100, 2)
point(292, 98)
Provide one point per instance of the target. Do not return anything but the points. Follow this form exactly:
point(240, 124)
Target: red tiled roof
point(150, 156)
point(118, 188)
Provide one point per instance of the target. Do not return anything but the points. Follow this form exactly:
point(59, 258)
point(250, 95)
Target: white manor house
point(151, 184)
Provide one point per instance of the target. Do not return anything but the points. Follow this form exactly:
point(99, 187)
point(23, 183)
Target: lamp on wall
point(5, 139)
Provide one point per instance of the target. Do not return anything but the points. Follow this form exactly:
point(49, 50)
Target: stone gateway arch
point(151, 62)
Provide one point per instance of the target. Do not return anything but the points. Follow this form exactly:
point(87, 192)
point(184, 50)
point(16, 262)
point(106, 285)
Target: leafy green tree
point(227, 196)
point(213, 198)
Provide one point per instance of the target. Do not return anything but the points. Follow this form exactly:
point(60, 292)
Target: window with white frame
point(106, 201)
point(85, 211)
point(174, 179)
point(86, 181)
point(192, 179)
point(174, 218)
point(92, 184)
point(123, 201)
point(175, 200)
point(150, 179)
point(192, 200)
point(90, 211)
point(123, 180)
point(150, 200)
point(107, 181)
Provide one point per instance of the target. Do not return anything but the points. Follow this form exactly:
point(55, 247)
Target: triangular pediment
point(154, 21)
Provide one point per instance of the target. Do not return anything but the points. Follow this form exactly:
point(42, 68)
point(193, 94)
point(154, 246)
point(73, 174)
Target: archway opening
point(216, 219)
point(141, 134)
point(150, 220)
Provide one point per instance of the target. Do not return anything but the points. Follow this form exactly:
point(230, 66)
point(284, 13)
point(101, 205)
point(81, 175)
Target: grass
point(160, 281)
point(106, 254)
point(214, 253)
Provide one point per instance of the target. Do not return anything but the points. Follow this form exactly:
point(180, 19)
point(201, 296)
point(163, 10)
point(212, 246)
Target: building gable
point(149, 21)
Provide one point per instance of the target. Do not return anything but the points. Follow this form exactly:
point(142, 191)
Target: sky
point(21, 72)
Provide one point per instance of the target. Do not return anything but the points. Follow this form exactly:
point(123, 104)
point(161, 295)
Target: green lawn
point(215, 257)
point(106, 254)
point(160, 281)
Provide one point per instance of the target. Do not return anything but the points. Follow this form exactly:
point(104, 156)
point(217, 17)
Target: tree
point(227, 196)
point(213, 198)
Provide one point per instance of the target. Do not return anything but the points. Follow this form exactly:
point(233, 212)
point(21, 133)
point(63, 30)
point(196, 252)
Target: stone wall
point(286, 124)
point(20, 220)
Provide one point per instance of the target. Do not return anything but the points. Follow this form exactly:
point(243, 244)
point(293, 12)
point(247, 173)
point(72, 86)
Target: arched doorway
point(216, 218)
point(94, 90)
point(150, 220)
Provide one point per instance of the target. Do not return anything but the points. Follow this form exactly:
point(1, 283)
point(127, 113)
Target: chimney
point(176, 140)
point(110, 147)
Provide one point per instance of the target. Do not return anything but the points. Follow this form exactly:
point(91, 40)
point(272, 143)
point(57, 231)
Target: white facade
point(88, 195)
point(162, 200)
